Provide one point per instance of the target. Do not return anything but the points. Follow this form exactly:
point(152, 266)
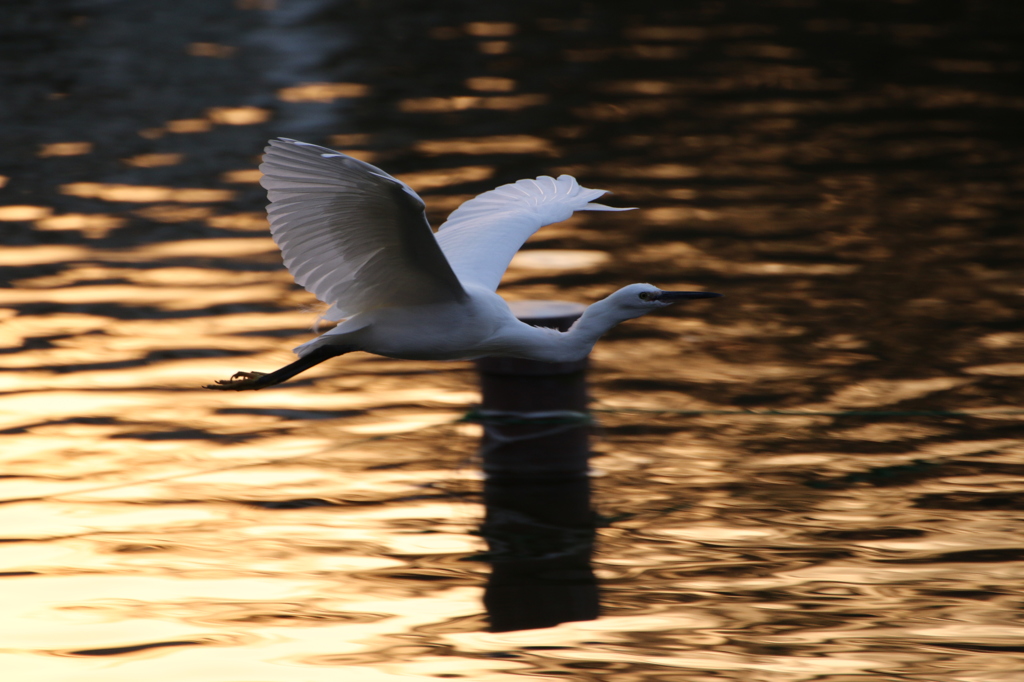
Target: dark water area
point(818, 477)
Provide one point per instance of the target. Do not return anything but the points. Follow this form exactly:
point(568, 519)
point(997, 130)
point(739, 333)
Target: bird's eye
point(646, 296)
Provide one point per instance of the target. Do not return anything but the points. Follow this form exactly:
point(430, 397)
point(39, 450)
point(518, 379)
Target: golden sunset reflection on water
point(817, 478)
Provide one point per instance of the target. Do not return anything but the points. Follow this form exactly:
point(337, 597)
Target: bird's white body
point(481, 325)
point(358, 239)
point(432, 331)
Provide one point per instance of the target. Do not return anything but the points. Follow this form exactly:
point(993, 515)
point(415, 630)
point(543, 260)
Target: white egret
point(358, 239)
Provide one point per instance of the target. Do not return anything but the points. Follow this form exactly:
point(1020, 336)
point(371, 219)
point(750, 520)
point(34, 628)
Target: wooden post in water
point(518, 438)
point(539, 524)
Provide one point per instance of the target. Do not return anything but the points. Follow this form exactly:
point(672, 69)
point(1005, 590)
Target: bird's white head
point(639, 299)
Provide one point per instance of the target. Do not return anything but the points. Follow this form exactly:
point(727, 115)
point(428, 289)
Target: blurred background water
point(848, 173)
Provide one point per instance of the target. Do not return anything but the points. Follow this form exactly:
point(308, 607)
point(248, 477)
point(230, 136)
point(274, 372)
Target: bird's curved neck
point(549, 345)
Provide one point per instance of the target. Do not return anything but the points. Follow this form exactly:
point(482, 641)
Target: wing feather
point(352, 235)
point(481, 236)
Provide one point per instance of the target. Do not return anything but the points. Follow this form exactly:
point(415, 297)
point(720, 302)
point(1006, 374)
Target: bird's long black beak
point(673, 296)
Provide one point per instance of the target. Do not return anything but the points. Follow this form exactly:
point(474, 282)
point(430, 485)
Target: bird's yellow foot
point(239, 381)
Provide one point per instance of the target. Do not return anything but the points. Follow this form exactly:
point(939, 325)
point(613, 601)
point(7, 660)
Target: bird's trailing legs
point(253, 381)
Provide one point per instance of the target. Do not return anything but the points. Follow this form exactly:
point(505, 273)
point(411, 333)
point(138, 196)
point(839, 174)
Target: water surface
point(817, 477)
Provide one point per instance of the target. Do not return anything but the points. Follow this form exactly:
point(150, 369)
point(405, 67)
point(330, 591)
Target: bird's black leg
point(253, 381)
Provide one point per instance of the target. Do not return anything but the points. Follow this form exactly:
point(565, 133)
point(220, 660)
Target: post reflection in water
point(540, 535)
point(817, 479)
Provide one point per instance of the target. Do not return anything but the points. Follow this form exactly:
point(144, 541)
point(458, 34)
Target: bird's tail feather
point(308, 347)
point(339, 336)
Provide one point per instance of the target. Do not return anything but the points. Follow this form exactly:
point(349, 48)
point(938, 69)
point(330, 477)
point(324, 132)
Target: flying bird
point(358, 239)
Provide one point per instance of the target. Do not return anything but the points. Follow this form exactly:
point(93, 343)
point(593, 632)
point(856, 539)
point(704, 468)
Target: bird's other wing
point(481, 236)
point(351, 234)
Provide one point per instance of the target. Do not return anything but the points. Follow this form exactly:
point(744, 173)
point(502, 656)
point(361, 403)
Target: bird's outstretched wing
point(481, 236)
point(351, 234)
